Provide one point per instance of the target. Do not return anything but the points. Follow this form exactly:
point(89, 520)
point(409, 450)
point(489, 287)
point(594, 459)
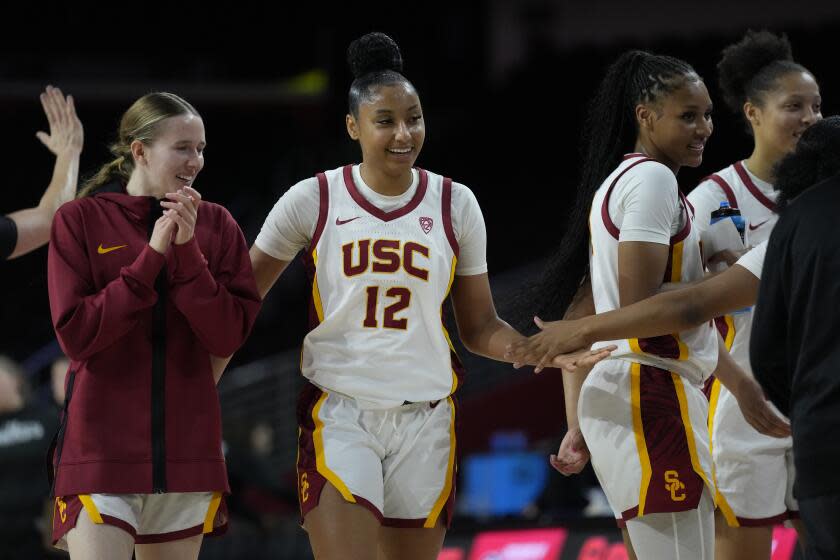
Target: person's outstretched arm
point(65, 140)
point(664, 313)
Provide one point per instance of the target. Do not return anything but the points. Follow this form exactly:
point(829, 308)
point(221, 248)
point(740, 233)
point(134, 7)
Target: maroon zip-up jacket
point(143, 413)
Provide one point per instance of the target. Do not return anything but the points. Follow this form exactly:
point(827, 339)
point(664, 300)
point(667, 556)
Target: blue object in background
point(501, 483)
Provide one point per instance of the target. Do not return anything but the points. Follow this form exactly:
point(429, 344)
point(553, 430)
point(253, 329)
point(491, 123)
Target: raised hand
point(66, 134)
point(572, 455)
point(182, 208)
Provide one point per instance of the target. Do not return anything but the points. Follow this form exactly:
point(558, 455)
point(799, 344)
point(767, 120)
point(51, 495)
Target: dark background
point(504, 87)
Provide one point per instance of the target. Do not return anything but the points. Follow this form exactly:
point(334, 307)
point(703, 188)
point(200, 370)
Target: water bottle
point(725, 211)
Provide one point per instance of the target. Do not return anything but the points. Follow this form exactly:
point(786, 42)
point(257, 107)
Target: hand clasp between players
point(558, 344)
point(178, 221)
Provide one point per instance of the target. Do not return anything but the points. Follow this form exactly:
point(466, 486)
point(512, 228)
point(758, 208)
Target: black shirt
point(795, 343)
point(8, 237)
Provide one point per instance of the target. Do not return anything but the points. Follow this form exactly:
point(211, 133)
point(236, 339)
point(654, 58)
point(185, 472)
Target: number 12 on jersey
point(401, 300)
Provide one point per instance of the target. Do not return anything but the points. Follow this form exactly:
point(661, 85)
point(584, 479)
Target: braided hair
point(815, 159)
point(751, 68)
point(610, 131)
point(375, 60)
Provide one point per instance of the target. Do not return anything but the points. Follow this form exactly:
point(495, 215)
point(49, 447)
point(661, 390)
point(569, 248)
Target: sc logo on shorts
point(304, 488)
point(62, 509)
point(674, 486)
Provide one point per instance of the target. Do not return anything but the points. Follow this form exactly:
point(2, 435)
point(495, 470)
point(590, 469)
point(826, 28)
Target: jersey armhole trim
point(446, 211)
point(727, 190)
point(323, 209)
point(605, 207)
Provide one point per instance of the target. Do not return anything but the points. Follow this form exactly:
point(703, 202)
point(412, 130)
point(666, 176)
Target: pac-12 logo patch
point(426, 224)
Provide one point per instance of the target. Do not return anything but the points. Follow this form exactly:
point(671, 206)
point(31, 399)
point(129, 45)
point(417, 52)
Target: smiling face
point(174, 158)
point(675, 128)
point(781, 115)
point(390, 129)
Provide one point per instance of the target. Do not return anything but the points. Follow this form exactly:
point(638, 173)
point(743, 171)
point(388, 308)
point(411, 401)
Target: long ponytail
point(610, 130)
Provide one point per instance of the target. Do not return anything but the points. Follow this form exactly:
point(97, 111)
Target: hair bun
point(743, 60)
point(374, 52)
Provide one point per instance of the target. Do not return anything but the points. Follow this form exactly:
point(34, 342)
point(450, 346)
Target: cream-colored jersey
point(756, 199)
point(642, 196)
point(379, 280)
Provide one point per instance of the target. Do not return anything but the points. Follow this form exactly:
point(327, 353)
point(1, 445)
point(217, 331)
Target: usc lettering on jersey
point(379, 280)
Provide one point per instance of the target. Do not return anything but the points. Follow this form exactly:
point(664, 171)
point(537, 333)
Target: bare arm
point(267, 270)
point(582, 305)
point(573, 453)
point(677, 310)
point(749, 395)
point(65, 141)
point(641, 266)
point(668, 312)
point(480, 328)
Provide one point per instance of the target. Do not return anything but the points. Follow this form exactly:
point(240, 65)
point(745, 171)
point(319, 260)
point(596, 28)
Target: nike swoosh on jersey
point(340, 222)
point(102, 250)
point(754, 227)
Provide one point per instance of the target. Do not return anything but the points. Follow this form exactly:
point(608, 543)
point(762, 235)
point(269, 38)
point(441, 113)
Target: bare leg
point(684, 535)
point(801, 534)
point(411, 544)
point(631, 554)
point(92, 541)
point(341, 530)
point(737, 543)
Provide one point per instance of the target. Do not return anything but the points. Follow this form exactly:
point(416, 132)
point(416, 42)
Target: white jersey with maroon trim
point(379, 280)
point(756, 199)
point(691, 353)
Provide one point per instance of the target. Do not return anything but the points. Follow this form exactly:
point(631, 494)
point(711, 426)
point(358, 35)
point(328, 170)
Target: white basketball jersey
point(691, 353)
point(734, 185)
point(379, 280)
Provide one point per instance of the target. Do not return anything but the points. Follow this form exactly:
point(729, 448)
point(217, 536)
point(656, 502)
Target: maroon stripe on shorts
point(65, 515)
point(665, 346)
point(310, 483)
point(722, 326)
point(398, 523)
point(674, 485)
point(707, 387)
point(371, 508)
point(168, 537)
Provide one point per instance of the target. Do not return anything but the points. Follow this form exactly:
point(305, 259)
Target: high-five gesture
point(66, 133)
